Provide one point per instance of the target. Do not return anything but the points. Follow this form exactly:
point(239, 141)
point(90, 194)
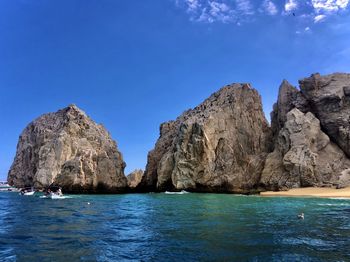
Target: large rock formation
point(225, 144)
point(311, 130)
point(68, 149)
point(329, 98)
point(219, 146)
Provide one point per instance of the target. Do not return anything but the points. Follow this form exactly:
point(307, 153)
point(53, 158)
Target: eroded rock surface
point(304, 156)
point(219, 146)
point(134, 178)
point(68, 149)
point(329, 98)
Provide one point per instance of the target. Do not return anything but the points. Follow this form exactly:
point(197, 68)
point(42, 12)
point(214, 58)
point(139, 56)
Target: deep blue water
point(161, 227)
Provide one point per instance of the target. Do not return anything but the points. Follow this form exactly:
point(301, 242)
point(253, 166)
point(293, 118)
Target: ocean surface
point(164, 227)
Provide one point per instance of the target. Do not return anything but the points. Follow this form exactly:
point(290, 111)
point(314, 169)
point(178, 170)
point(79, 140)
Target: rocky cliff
point(311, 134)
point(226, 145)
point(219, 146)
point(68, 149)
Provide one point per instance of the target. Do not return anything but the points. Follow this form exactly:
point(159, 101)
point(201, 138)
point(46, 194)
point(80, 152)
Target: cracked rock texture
point(304, 156)
point(219, 146)
point(134, 178)
point(226, 145)
point(329, 99)
point(68, 149)
point(311, 130)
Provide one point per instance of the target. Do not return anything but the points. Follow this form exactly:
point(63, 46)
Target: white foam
point(176, 193)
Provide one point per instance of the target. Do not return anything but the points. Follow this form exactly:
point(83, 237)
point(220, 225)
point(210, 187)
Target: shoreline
point(311, 192)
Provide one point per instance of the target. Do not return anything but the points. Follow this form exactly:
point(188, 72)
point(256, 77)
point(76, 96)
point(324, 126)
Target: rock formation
point(223, 145)
point(219, 146)
point(304, 156)
point(311, 130)
point(134, 178)
point(68, 149)
point(226, 145)
point(329, 98)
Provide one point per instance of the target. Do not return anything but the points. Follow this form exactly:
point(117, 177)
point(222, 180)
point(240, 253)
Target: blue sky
point(132, 65)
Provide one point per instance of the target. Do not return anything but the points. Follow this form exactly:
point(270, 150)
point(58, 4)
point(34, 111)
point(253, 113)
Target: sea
point(173, 227)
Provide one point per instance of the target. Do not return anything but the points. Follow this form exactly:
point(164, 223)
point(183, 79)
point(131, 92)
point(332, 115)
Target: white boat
point(176, 193)
point(5, 187)
point(28, 191)
point(56, 196)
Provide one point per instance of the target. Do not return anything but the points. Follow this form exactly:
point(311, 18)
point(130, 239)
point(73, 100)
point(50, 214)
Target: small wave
point(340, 198)
point(337, 204)
point(57, 197)
point(176, 193)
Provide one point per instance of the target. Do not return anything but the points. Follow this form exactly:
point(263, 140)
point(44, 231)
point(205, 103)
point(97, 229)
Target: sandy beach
point(311, 191)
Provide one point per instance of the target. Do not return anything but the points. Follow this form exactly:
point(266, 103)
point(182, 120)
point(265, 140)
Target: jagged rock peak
point(289, 97)
point(134, 178)
point(69, 149)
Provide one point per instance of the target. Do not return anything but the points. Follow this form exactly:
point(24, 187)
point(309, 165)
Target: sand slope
point(311, 191)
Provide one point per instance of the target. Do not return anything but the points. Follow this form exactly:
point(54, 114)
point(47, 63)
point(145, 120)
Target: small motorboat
point(54, 192)
point(176, 193)
point(27, 191)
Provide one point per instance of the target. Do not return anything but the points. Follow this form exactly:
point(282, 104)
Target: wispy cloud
point(329, 6)
point(290, 5)
point(237, 11)
point(319, 18)
point(325, 8)
point(269, 7)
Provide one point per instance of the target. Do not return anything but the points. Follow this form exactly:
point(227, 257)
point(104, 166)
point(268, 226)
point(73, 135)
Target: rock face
point(226, 145)
point(68, 149)
point(134, 178)
point(223, 145)
point(219, 146)
point(311, 130)
point(329, 98)
point(304, 156)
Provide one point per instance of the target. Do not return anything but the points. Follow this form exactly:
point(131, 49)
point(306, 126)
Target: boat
point(54, 192)
point(27, 191)
point(176, 193)
point(5, 187)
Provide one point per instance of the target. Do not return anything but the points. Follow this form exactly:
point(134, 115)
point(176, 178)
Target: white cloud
point(329, 6)
point(319, 18)
point(290, 5)
point(269, 7)
point(241, 11)
point(192, 5)
point(245, 6)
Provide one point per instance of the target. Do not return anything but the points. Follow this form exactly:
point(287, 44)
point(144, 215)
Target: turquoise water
point(161, 227)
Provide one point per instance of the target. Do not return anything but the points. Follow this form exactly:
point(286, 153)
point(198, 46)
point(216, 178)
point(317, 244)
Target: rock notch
point(68, 149)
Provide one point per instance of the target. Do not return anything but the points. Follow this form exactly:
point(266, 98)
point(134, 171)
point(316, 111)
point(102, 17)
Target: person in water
point(301, 216)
